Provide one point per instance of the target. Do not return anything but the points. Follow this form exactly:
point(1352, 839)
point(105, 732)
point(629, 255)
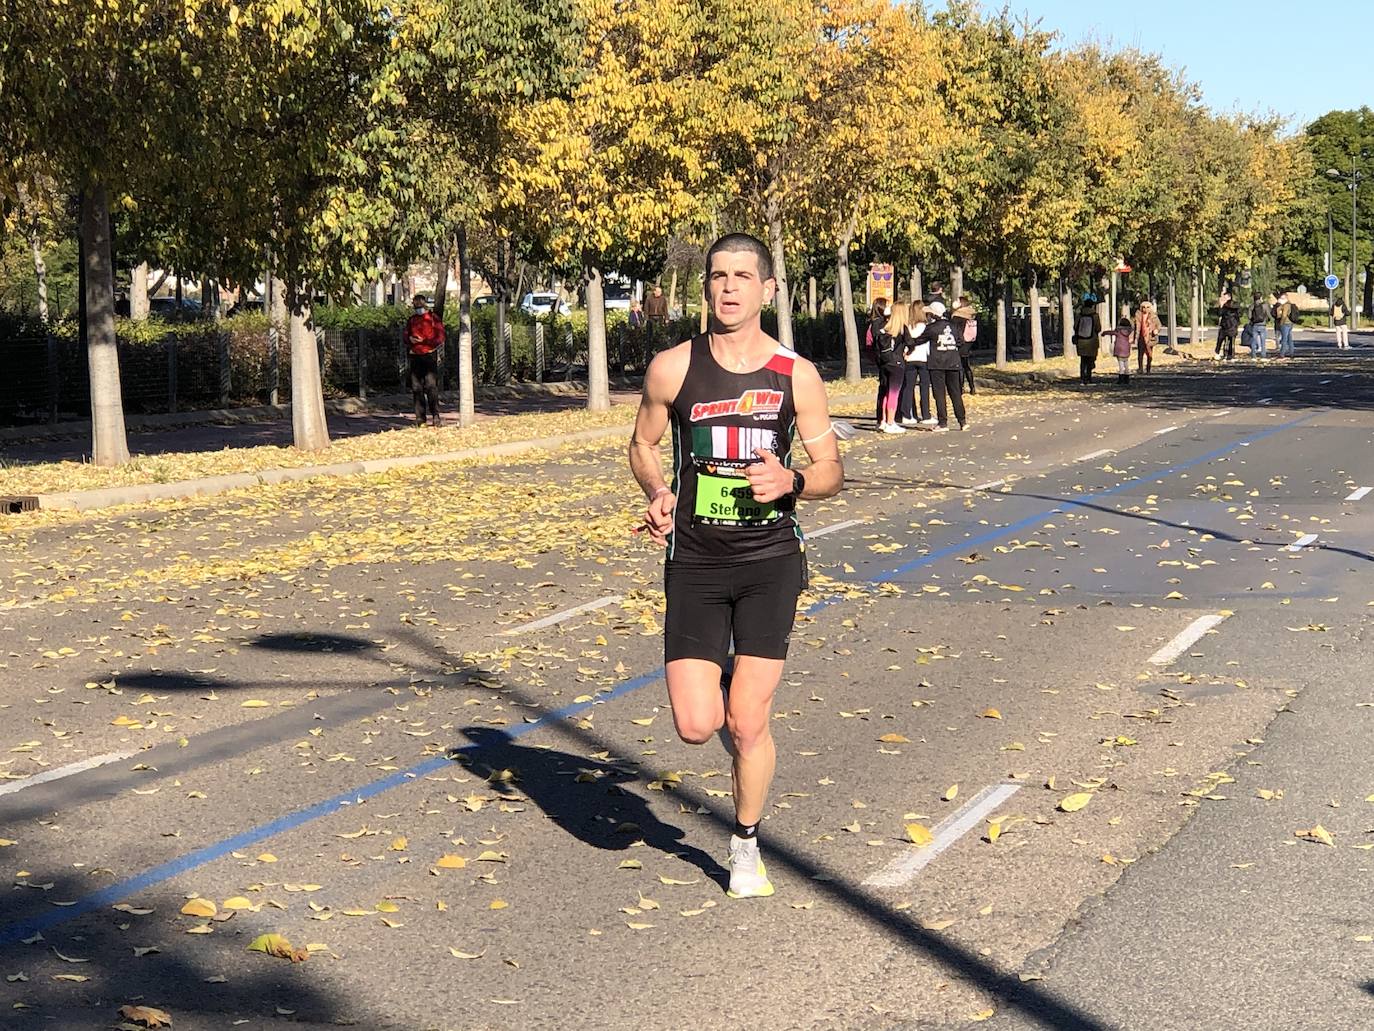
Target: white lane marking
point(1096, 454)
point(989, 485)
point(1358, 493)
point(65, 771)
point(1323, 382)
point(1264, 401)
point(558, 617)
point(833, 528)
point(907, 865)
point(1185, 639)
point(1166, 429)
point(1224, 411)
point(1302, 542)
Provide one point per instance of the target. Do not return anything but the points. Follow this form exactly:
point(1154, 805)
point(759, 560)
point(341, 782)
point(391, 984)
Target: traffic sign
point(1332, 281)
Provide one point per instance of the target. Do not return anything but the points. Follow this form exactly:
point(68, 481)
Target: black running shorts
point(753, 603)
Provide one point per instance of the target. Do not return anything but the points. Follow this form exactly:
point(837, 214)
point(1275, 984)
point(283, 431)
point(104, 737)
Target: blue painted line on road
point(1083, 500)
point(108, 896)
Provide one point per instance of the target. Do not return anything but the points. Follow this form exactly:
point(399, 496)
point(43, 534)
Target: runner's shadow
point(585, 797)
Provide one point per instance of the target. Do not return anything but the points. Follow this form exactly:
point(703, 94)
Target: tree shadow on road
point(550, 779)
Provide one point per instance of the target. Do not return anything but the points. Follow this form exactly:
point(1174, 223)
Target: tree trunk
point(1065, 317)
point(109, 443)
point(845, 286)
point(180, 296)
point(1003, 312)
point(467, 394)
point(1195, 293)
point(310, 431)
point(598, 387)
point(138, 292)
point(782, 302)
point(442, 264)
point(956, 284)
point(501, 345)
point(207, 294)
point(811, 297)
point(1037, 328)
point(672, 292)
point(280, 324)
point(705, 306)
point(1173, 311)
point(40, 269)
point(1368, 304)
point(917, 286)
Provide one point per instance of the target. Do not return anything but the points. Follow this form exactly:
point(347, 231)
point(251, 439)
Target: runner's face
point(737, 291)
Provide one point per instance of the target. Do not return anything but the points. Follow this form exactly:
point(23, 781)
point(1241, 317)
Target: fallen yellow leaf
point(1076, 801)
point(199, 907)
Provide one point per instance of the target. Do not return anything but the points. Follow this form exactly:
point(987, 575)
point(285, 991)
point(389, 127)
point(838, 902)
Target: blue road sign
point(1332, 281)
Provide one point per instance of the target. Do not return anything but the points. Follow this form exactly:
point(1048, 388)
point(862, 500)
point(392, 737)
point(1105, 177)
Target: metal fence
point(204, 366)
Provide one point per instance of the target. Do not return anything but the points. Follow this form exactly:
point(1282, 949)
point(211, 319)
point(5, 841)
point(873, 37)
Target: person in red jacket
point(424, 337)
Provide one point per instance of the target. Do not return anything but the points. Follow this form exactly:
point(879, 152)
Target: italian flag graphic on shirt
point(736, 442)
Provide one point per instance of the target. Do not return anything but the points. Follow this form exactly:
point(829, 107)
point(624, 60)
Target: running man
point(736, 560)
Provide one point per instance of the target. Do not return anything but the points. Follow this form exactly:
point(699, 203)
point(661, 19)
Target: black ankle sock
point(751, 831)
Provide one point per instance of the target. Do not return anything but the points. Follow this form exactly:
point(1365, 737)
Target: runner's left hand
point(768, 479)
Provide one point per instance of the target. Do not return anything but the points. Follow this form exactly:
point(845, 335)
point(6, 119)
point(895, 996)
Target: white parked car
point(543, 304)
point(617, 296)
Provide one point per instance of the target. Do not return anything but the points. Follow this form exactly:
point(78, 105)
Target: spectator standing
point(946, 374)
point(1341, 320)
point(656, 308)
point(636, 316)
point(1087, 330)
point(1255, 325)
point(1122, 338)
point(1228, 322)
point(917, 356)
point(889, 343)
point(1285, 316)
point(965, 321)
point(424, 337)
point(1146, 336)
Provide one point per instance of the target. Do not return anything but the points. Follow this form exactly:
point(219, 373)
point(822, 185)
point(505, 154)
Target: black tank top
point(718, 419)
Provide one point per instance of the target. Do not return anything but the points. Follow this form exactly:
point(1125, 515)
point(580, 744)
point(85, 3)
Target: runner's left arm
point(825, 475)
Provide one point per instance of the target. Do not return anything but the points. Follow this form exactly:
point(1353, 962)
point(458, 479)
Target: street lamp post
point(1351, 281)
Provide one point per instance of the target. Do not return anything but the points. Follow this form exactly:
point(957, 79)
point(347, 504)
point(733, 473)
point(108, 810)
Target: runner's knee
point(748, 729)
point(696, 728)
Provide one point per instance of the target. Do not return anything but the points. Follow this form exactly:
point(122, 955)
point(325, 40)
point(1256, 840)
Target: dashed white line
point(1166, 429)
point(1358, 493)
point(946, 833)
point(558, 617)
point(65, 771)
point(1096, 454)
point(1224, 411)
point(989, 485)
point(1302, 542)
point(1185, 639)
point(834, 528)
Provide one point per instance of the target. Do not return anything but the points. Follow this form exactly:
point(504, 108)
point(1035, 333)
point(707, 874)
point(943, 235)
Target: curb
point(107, 497)
point(375, 404)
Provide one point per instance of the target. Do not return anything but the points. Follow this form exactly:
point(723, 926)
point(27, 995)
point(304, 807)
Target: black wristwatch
point(798, 485)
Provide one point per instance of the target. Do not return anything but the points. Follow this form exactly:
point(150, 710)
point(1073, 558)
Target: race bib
point(729, 501)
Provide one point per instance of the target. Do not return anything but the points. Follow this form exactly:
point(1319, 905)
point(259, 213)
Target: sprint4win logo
point(751, 402)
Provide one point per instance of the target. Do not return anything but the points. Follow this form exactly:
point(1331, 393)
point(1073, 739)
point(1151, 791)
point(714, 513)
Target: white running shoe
point(909, 423)
point(748, 879)
point(892, 427)
point(930, 422)
point(940, 429)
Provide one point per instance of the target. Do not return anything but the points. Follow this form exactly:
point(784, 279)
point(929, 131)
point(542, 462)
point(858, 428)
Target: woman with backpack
point(916, 354)
point(1257, 324)
point(1147, 329)
point(1340, 320)
point(885, 323)
point(966, 322)
point(1087, 328)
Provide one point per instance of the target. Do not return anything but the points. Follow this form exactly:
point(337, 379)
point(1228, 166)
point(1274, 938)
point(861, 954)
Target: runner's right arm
point(662, 381)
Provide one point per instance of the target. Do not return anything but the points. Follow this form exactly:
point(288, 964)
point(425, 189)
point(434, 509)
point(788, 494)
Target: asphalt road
point(297, 701)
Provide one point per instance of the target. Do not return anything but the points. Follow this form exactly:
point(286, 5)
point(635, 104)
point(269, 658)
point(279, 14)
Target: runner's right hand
point(658, 517)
